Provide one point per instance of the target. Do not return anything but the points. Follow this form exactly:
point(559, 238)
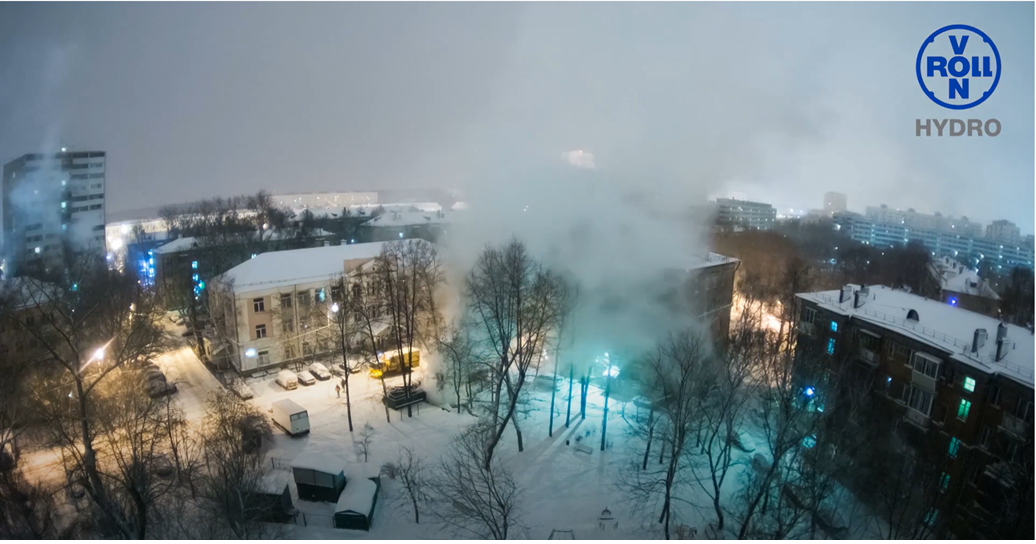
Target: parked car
point(305, 378)
point(159, 388)
point(287, 380)
point(546, 381)
point(319, 371)
point(241, 389)
point(154, 374)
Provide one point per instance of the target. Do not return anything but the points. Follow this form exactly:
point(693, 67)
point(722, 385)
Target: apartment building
point(1004, 231)
point(53, 204)
point(976, 248)
point(961, 286)
point(275, 308)
point(952, 381)
point(745, 214)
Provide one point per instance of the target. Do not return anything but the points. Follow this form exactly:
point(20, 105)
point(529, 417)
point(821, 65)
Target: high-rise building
point(1003, 230)
point(53, 204)
point(913, 219)
point(745, 214)
point(834, 202)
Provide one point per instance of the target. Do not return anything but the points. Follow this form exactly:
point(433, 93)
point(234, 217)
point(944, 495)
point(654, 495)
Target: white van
point(291, 417)
point(287, 380)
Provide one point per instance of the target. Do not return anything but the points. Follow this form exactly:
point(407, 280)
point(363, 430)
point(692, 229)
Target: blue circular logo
point(958, 67)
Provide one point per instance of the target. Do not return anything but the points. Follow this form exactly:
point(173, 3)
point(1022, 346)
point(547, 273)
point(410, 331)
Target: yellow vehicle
point(389, 362)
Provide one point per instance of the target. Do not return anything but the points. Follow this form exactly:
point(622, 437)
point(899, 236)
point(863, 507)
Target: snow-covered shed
point(355, 508)
point(319, 476)
point(272, 501)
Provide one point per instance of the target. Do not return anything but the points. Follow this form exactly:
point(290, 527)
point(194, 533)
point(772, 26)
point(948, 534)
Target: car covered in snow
point(319, 371)
point(546, 381)
point(159, 388)
point(241, 389)
point(287, 380)
point(305, 378)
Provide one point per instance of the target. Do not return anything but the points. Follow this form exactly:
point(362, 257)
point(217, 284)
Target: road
point(194, 381)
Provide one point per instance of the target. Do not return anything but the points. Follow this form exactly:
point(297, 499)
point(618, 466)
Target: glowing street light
point(334, 308)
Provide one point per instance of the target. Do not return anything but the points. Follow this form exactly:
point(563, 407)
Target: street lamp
point(610, 372)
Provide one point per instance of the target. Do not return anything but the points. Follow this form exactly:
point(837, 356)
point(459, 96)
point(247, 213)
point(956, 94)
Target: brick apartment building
point(954, 382)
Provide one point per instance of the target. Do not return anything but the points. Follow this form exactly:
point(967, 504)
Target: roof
point(283, 268)
point(408, 218)
point(958, 278)
point(23, 292)
point(320, 462)
point(710, 259)
point(288, 405)
point(275, 481)
point(940, 325)
point(358, 497)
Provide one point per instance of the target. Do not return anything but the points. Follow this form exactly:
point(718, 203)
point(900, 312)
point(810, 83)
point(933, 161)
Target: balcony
point(807, 328)
point(917, 418)
point(868, 356)
point(1014, 425)
point(923, 381)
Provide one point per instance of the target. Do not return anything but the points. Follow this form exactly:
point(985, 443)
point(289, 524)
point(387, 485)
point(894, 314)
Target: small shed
point(272, 501)
point(355, 508)
point(319, 476)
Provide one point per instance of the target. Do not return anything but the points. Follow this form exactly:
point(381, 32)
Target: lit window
point(830, 346)
point(944, 482)
point(929, 518)
point(954, 447)
point(834, 326)
point(963, 409)
point(194, 265)
point(969, 384)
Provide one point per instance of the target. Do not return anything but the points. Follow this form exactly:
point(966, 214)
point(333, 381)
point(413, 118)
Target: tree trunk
point(568, 413)
point(647, 452)
point(518, 434)
point(553, 391)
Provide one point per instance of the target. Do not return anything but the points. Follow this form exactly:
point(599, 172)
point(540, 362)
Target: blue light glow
point(810, 391)
point(953, 301)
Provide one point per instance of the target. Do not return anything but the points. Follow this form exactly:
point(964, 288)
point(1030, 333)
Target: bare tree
point(368, 308)
point(409, 469)
point(478, 496)
point(514, 303)
point(407, 273)
point(233, 484)
point(673, 373)
point(84, 330)
point(342, 334)
point(363, 445)
point(458, 362)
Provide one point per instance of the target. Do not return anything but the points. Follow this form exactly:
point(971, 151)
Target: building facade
point(834, 202)
point(745, 214)
point(1004, 231)
point(961, 286)
point(277, 308)
point(53, 205)
point(948, 381)
point(976, 249)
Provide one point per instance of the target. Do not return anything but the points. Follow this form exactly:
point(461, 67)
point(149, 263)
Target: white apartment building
point(746, 214)
point(52, 202)
point(276, 307)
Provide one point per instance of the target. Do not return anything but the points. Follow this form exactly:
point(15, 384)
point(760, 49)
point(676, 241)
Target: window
point(834, 326)
point(925, 364)
point(944, 482)
point(258, 305)
point(963, 409)
point(194, 265)
point(954, 447)
point(318, 296)
point(830, 346)
point(931, 516)
point(264, 358)
point(900, 352)
point(288, 325)
point(983, 438)
point(994, 396)
point(260, 331)
point(1023, 410)
point(286, 300)
point(809, 315)
point(336, 293)
point(920, 400)
point(303, 297)
point(969, 384)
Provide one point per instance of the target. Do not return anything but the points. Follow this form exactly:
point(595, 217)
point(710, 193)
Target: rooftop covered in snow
point(408, 219)
point(357, 497)
point(940, 325)
point(709, 259)
point(327, 463)
point(959, 278)
point(291, 267)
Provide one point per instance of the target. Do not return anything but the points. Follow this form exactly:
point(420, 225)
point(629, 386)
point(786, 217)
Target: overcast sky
point(777, 103)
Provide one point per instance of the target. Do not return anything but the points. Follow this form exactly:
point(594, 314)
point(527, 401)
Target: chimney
point(861, 297)
point(845, 294)
point(978, 340)
point(1003, 345)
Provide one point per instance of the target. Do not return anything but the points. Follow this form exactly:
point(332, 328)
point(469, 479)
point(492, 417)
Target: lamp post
point(339, 318)
point(609, 373)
